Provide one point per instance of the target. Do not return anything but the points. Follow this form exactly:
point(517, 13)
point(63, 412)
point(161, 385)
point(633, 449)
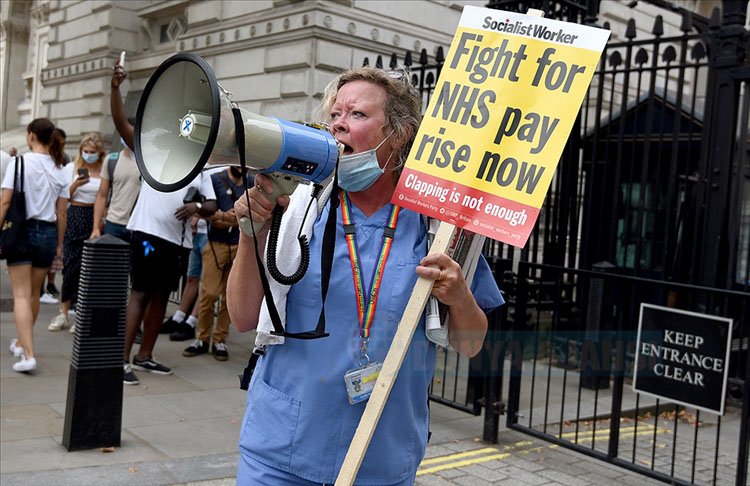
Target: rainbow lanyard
point(366, 310)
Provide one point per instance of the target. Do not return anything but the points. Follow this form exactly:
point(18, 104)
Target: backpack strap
point(111, 163)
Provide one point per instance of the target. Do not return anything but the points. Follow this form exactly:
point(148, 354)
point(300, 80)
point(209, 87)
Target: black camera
point(193, 196)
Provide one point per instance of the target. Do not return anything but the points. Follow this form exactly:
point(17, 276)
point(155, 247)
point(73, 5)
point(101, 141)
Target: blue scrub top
point(298, 417)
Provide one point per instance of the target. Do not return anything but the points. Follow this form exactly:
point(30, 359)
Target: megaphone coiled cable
point(273, 238)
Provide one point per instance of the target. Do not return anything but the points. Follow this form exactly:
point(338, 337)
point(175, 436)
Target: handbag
point(12, 235)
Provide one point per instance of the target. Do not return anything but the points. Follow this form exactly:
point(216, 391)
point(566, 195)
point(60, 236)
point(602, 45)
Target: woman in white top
point(46, 194)
point(85, 179)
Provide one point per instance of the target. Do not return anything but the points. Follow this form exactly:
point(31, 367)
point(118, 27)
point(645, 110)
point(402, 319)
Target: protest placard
point(506, 100)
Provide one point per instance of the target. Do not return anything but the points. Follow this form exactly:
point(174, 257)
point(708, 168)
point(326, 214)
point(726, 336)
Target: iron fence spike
point(687, 21)
point(630, 31)
point(407, 59)
point(715, 20)
point(658, 29)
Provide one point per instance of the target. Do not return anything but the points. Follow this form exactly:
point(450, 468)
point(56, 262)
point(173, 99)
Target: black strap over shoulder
point(326, 264)
point(15, 173)
point(329, 241)
point(329, 238)
point(239, 126)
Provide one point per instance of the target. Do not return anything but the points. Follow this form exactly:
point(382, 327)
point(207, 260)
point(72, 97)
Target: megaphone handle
point(281, 186)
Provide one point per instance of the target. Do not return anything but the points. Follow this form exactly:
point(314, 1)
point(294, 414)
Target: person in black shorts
point(159, 248)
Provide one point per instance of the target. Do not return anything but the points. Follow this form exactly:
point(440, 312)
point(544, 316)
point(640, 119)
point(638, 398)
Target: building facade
point(275, 56)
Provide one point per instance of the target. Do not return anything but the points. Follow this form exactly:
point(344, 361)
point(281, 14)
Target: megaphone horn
point(185, 122)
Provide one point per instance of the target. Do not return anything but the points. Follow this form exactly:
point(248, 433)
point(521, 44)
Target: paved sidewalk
point(183, 429)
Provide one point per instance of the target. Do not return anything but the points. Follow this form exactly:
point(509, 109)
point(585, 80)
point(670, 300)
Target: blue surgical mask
point(357, 172)
point(90, 158)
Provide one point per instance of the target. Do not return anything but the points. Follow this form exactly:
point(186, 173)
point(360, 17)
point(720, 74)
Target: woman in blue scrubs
point(301, 415)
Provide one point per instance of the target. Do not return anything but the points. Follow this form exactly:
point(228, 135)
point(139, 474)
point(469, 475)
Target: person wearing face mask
point(85, 180)
point(305, 398)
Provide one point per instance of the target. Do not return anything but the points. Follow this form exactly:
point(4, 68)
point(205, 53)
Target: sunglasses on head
point(399, 75)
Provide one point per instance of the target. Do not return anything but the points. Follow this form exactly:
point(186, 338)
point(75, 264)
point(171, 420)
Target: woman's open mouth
point(347, 149)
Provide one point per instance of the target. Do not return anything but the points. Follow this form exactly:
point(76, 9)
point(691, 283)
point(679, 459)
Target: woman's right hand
point(260, 206)
point(78, 182)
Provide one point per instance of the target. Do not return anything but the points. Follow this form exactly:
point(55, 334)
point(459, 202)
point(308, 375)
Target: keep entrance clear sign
point(683, 357)
point(492, 135)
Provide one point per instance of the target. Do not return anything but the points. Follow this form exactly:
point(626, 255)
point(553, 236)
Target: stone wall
point(275, 56)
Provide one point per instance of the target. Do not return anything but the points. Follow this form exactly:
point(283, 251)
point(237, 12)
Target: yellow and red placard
point(497, 122)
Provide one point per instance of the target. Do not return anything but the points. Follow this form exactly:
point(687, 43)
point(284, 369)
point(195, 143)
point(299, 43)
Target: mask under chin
point(358, 172)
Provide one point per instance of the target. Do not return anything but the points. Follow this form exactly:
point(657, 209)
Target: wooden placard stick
point(395, 356)
point(392, 364)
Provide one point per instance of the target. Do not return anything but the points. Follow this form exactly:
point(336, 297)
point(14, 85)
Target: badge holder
point(361, 381)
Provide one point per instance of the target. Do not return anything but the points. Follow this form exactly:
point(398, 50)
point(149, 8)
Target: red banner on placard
point(465, 207)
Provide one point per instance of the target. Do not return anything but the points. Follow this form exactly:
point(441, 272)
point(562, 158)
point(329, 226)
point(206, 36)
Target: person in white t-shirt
point(85, 178)
point(46, 194)
point(160, 242)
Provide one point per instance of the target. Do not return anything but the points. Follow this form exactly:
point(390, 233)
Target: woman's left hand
point(450, 287)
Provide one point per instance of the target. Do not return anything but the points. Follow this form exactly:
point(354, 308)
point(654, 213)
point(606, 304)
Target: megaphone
point(185, 122)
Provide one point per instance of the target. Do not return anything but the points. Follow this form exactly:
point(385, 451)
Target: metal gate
point(570, 382)
point(650, 203)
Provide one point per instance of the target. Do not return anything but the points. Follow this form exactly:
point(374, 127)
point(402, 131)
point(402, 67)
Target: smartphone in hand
point(83, 173)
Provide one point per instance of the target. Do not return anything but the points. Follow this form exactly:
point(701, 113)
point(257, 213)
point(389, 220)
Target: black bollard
point(93, 411)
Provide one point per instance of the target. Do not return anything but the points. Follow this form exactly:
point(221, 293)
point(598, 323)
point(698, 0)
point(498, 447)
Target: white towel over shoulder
point(288, 255)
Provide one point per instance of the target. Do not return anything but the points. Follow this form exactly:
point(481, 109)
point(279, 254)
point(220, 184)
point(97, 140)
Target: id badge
point(360, 382)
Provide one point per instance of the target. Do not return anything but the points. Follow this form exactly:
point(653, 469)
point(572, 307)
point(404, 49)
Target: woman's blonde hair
point(402, 106)
point(94, 139)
